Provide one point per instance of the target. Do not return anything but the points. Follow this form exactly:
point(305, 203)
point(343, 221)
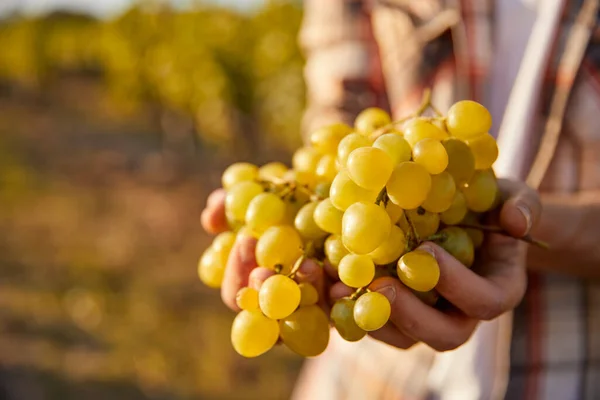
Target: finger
point(339, 290)
point(331, 270)
point(311, 272)
point(213, 216)
point(498, 289)
point(241, 262)
point(522, 208)
point(258, 275)
point(391, 335)
point(417, 320)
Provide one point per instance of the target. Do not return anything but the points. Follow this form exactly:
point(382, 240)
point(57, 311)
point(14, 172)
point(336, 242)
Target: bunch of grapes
point(361, 199)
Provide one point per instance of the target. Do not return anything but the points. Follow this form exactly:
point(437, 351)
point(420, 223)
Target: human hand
point(495, 285)
point(242, 269)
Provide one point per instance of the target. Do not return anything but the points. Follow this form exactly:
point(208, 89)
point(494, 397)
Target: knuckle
point(489, 310)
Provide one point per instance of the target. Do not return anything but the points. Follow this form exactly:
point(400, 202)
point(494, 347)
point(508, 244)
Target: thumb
point(241, 262)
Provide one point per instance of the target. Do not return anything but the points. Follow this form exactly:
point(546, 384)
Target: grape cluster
point(361, 199)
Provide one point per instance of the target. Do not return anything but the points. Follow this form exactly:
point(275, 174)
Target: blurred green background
point(112, 133)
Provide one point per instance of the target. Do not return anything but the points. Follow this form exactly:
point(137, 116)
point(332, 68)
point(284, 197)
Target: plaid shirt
point(384, 53)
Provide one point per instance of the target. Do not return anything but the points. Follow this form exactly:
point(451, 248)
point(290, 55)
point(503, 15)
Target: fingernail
point(307, 268)
point(389, 292)
point(527, 215)
point(427, 248)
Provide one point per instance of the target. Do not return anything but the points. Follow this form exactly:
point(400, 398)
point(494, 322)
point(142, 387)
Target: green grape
point(247, 299)
point(431, 154)
point(210, 269)
point(239, 197)
point(458, 243)
point(306, 331)
point(305, 222)
point(222, 245)
point(322, 189)
point(325, 140)
point(430, 297)
point(278, 296)
point(371, 119)
point(395, 146)
point(461, 162)
point(395, 212)
point(426, 223)
point(344, 192)
point(264, 211)
point(327, 168)
point(306, 159)
point(409, 185)
point(484, 149)
point(335, 250)
point(365, 226)
point(418, 270)
point(356, 271)
point(308, 294)
point(418, 129)
point(253, 334)
point(480, 192)
point(369, 167)
point(476, 235)
point(342, 316)
point(391, 249)
point(272, 171)
point(457, 210)
point(467, 119)
point(279, 246)
point(350, 143)
point(328, 217)
point(442, 193)
point(238, 172)
point(372, 311)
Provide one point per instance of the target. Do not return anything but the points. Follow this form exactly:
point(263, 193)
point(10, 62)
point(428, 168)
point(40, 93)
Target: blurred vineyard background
point(112, 133)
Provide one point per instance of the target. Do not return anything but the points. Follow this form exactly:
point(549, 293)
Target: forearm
point(571, 226)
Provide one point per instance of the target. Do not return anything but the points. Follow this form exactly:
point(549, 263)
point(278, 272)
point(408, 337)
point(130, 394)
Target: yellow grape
point(272, 171)
point(372, 311)
point(467, 119)
point(350, 143)
point(356, 271)
point(327, 168)
point(418, 270)
point(344, 192)
point(306, 159)
point(335, 250)
point(458, 243)
point(476, 235)
point(306, 331)
point(247, 299)
point(210, 269)
point(278, 296)
point(306, 178)
point(292, 207)
point(328, 217)
point(371, 119)
point(390, 250)
point(239, 172)
point(365, 226)
point(342, 316)
point(461, 162)
point(480, 192)
point(253, 334)
point(305, 222)
point(426, 223)
point(395, 146)
point(409, 185)
point(264, 211)
point(441, 195)
point(322, 189)
point(308, 294)
point(457, 210)
point(279, 246)
point(325, 140)
point(484, 149)
point(224, 241)
point(395, 212)
point(239, 197)
point(431, 154)
point(369, 167)
point(418, 129)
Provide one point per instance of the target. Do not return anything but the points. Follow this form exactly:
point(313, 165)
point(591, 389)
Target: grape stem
point(308, 252)
point(359, 292)
point(496, 229)
point(437, 236)
point(382, 196)
point(413, 230)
